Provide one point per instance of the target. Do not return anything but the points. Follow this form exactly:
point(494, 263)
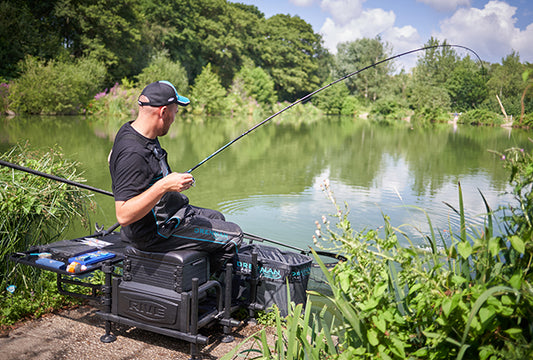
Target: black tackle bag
point(275, 270)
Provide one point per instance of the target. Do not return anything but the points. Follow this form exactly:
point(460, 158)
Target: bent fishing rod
point(323, 88)
point(110, 229)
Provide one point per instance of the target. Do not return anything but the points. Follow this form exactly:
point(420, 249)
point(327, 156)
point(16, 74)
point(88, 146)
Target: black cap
point(161, 93)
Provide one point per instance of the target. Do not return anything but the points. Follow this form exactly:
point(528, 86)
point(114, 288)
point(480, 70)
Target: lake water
point(270, 181)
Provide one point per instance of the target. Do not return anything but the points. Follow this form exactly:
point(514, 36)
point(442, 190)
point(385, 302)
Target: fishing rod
point(323, 88)
point(113, 227)
point(53, 177)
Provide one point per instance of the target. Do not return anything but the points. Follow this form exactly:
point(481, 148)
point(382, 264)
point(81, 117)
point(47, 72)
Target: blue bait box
point(92, 257)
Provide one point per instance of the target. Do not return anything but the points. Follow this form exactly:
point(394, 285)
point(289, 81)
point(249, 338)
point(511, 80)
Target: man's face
point(169, 114)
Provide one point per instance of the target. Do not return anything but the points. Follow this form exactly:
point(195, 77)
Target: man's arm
point(137, 207)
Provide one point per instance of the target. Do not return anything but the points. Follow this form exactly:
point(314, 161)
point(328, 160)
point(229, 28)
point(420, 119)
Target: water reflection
point(270, 181)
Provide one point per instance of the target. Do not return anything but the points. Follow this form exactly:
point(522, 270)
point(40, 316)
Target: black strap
point(156, 151)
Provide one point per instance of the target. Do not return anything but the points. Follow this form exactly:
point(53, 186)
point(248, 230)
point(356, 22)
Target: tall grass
point(469, 296)
point(34, 210)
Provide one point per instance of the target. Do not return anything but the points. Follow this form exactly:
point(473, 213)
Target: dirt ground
point(75, 334)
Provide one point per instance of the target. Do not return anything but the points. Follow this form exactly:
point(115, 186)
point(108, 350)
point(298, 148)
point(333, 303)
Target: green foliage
point(207, 94)
point(107, 31)
point(436, 64)
point(296, 338)
point(466, 296)
point(63, 87)
point(27, 28)
point(438, 303)
point(4, 95)
point(350, 105)
point(254, 82)
point(32, 302)
point(185, 36)
point(387, 110)
point(331, 100)
point(287, 49)
point(481, 117)
point(466, 85)
point(162, 68)
point(115, 106)
point(299, 115)
point(35, 210)
point(355, 55)
point(430, 103)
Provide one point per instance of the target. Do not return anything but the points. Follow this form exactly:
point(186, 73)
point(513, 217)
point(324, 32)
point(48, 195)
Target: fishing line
point(302, 251)
point(323, 88)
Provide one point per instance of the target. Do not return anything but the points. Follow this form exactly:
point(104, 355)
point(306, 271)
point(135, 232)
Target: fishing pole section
point(308, 96)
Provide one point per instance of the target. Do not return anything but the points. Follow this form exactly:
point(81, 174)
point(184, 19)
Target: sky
point(493, 29)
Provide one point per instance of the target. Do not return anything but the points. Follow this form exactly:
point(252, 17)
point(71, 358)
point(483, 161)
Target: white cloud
point(490, 31)
point(369, 24)
point(302, 2)
point(343, 11)
point(403, 39)
point(445, 5)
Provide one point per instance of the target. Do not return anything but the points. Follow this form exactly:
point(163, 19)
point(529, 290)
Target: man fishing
point(149, 204)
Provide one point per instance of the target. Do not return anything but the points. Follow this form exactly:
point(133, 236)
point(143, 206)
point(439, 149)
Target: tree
point(466, 86)
point(331, 100)
point(287, 48)
point(26, 28)
point(436, 64)
point(207, 94)
point(254, 82)
point(430, 103)
point(162, 68)
point(506, 83)
point(196, 33)
point(63, 87)
point(355, 55)
point(105, 30)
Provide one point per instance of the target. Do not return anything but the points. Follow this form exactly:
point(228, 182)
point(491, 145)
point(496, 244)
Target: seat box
point(150, 305)
point(172, 270)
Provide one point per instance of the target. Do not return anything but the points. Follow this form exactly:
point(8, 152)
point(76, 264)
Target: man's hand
point(137, 207)
point(178, 181)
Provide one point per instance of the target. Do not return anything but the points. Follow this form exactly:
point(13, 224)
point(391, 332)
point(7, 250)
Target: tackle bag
point(275, 270)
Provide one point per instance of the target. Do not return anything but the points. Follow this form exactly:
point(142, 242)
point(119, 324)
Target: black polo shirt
point(134, 168)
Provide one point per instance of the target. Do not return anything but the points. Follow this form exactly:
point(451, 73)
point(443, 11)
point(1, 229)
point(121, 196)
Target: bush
point(481, 117)
point(162, 68)
point(350, 105)
point(115, 106)
point(207, 94)
point(55, 87)
point(331, 100)
point(388, 110)
point(4, 94)
point(256, 83)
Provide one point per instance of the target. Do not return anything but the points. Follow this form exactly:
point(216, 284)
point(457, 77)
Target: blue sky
point(493, 29)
